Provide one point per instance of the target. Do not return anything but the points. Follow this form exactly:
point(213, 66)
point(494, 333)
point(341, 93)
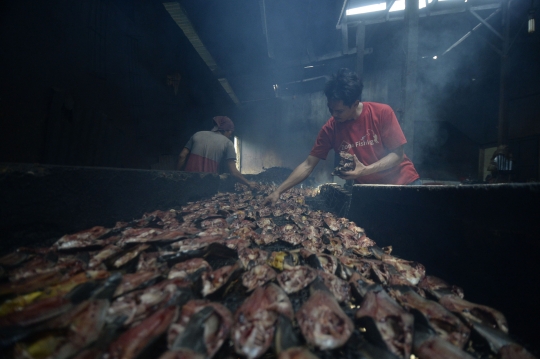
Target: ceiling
point(252, 57)
point(257, 44)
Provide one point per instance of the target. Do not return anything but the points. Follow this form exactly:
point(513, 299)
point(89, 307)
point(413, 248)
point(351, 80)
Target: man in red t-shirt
point(368, 130)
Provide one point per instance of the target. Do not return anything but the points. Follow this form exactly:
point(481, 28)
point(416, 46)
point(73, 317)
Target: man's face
point(340, 112)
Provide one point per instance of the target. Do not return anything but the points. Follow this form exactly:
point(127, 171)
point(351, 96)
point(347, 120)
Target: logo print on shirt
point(369, 139)
point(345, 146)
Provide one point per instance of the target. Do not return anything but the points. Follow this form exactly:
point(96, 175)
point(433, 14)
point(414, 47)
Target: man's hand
point(271, 199)
point(392, 159)
point(359, 170)
point(182, 158)
point(300, 173)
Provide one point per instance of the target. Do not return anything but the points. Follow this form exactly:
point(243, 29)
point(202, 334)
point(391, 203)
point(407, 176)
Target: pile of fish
point(346, 164)
point(228, 277)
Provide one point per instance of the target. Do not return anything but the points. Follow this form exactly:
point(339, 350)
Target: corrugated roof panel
point(180, 17)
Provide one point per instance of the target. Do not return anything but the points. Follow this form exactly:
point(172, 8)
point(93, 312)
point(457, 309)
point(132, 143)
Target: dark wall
point(39, 204)
point(443, 152)
point(85, 83)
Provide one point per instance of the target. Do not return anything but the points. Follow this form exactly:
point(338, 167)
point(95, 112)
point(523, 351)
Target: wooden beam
point(503, 115)
point(344, 39)
point(342, 14)
point(486, 23)
point(360, 44)
point(389, 4)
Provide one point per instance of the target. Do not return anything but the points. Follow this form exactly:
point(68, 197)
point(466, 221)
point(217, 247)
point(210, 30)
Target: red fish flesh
point(394, 324)
point(414, 272)
point(472, 312)
point(339, 288)
point(447, 325)
point(254, 320)
point(322, 322)
point(185, 269)
point(133, 341)
point(201, 326)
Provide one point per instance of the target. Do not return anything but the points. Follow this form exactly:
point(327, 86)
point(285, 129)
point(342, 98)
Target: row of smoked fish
point(228, 277)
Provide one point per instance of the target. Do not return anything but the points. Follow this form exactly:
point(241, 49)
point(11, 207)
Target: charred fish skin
point(297, 353)
point(428, 345)
point(295, 279)
point(186, 268)
point(286, 343)
point(136, 306)
point(501, 344)
point(366, 350)
point(202, 327)
point(514, 351)
point(181, 354)
point(317, 248)
point(339, 288)
point(285, 338)
point(393, 323)
point(323, 262)
point(412, 271)
point(472, 312)
point(439, 288)
point(258, 276)
point(361, 286)
point(278, 301)
point(86, 238)
point(83, 325)
point(446, 324)
point(37, 312)
point(253, 330)
point(193, 337)
point(14, 259)
point(134, 281)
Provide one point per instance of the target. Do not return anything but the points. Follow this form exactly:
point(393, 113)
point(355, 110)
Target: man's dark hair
point(345, 86)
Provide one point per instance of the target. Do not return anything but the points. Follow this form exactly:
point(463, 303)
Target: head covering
point(223, 123)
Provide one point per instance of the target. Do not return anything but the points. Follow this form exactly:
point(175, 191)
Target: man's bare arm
point(299, 174)
point(390, 160)
point(182, 158)
point(238, 175)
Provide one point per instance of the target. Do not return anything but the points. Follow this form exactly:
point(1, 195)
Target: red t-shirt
point(370, 137)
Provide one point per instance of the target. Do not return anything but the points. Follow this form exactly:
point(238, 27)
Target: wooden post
point(344, 38)
point(360, 44)
point(502, 129)
point(408, 88)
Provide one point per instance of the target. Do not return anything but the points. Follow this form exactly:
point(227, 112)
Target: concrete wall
point(282, 132)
